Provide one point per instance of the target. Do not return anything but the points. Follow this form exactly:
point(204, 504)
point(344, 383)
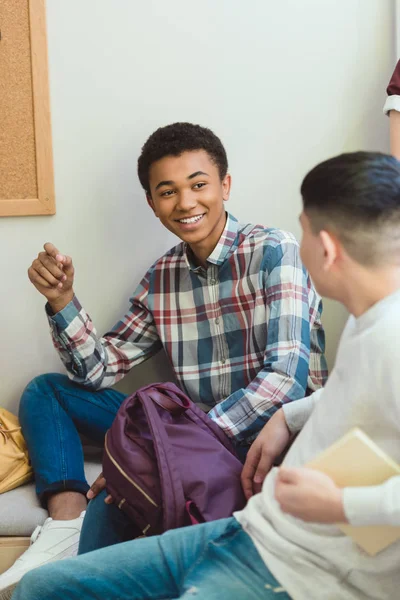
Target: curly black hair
point(173, 140)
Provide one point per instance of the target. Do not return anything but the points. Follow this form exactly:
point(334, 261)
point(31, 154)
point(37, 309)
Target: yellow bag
point(15, 468)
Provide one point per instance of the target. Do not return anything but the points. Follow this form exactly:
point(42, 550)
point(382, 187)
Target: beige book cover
point(356, 461)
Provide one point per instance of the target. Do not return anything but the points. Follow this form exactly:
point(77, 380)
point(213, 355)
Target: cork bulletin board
point(26, 159)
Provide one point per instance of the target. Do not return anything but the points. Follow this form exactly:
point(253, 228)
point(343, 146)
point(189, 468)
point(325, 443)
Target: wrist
point(57, 305)
point(284, 424)
point(338, 513)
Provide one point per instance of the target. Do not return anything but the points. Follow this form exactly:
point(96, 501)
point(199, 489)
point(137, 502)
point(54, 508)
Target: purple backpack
point(167, 464)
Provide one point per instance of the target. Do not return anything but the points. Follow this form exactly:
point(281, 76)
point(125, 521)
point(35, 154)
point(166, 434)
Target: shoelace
point(35, 534)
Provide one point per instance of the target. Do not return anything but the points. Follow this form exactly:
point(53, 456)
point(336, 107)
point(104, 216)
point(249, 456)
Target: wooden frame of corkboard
point(29, 97)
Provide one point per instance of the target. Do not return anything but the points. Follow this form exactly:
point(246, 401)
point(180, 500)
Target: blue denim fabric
point(53, 410)
point(105, 525)
point(212, 561)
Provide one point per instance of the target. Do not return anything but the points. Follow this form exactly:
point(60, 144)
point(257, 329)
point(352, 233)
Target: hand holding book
point(309, 495)
point(316, 492)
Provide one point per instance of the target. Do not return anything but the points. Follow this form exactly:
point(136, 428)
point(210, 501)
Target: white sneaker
point(51, 541)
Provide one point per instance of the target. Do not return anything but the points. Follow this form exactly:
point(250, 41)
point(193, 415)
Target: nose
point(186, 201)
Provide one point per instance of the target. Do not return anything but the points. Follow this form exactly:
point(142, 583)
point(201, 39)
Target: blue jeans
point(53, 411)
point(212, 561)
point(105, 525)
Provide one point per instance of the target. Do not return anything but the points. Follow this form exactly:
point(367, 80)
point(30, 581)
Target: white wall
point(285, 85)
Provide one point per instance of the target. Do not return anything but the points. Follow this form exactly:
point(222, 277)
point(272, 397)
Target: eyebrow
point(193, 175)
point(170, 182)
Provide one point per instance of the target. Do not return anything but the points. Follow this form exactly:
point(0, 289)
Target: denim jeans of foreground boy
point(212, 561)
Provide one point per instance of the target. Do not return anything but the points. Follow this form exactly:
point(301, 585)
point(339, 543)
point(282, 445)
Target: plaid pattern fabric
point(244, 336)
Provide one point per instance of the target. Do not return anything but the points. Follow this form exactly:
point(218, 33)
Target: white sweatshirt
point(319, 562)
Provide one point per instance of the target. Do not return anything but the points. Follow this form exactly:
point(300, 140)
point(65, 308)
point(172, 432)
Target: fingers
point(249, 469)
point(97, 487)
point(287, 475)
point(286, 491)
point(51, 250)
point(35, 278)
point(48, 269)
point(109, 499)
point(257, 466)
point(67, 265)
point(55, 254)
point(51, 269)
point(264, 466)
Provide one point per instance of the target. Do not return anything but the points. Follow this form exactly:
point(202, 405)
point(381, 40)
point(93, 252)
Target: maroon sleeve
point(393, 89)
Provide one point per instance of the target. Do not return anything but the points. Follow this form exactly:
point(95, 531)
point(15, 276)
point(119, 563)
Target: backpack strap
point(172, 402)
point(171, 486)
point(171, 398)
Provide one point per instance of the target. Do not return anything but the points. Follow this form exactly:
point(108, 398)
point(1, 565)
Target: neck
point(203, 249)
point(369, 286)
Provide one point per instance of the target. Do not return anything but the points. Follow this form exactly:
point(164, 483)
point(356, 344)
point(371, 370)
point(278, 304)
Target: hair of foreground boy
point(356, 197)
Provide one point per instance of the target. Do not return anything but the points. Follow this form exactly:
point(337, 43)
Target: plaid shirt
point(244, 336)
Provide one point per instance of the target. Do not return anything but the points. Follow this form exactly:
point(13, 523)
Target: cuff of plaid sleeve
point(221, 420)
point(392, 103)
point(61, 320)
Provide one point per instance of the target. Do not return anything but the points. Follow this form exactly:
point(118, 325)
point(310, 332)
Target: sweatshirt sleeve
point(297, 413)
point(373, 505)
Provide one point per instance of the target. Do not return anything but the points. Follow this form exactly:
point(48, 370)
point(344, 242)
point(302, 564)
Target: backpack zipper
point(141, 490)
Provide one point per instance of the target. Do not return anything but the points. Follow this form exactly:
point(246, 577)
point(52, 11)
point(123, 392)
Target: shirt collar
point(222, 250)
point(224, 247)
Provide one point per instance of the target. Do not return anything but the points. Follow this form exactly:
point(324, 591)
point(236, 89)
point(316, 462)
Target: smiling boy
point(231, 305)
point(198, 219)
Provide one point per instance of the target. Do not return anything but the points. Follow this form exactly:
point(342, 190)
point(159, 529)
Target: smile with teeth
point(194, 219)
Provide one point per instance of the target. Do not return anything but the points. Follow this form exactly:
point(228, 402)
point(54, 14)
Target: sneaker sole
point(7, 592)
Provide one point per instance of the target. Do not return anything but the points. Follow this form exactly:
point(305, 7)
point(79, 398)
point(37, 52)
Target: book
point(356, 461)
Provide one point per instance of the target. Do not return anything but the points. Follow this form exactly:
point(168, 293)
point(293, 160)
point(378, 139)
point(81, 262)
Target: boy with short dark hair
point(232, 306)
point(285, 543)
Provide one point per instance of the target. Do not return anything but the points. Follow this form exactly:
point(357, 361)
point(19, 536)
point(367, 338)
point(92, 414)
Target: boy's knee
point(36, 584)
point(41, 387)
point(54, 581)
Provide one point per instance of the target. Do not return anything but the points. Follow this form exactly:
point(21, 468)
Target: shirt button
point(217, 320)
point(213, 281)
point(223, 360)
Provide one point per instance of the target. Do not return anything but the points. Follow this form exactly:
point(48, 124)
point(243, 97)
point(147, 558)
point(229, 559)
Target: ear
point(226, 187)
point(150, 202)
point(331, 247)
